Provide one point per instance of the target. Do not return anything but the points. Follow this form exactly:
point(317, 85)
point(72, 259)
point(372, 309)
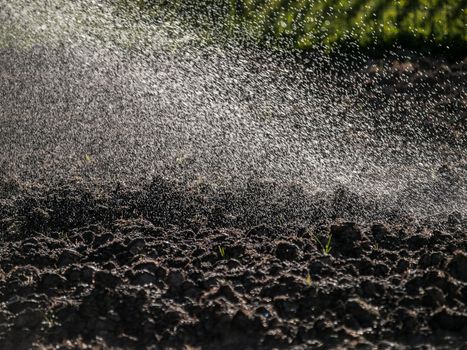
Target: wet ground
point(180, 268)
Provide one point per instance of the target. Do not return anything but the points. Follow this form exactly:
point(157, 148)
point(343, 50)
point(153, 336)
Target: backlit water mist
point(87, 91)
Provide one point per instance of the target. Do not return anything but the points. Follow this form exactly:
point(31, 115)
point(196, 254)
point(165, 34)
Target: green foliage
point(304, 24)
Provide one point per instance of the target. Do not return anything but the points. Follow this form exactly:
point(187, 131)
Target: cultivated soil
point(167, 266)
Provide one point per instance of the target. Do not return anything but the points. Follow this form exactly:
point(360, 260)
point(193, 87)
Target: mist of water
point(88, 90)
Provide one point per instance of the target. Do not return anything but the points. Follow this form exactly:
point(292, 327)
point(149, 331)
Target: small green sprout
point(328, 247)
point(222, 251)
point(325, 248)
point(88, 158)
point(376, 246)
point(308, 279)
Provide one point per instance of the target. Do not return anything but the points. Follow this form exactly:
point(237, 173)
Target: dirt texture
point(85, 268)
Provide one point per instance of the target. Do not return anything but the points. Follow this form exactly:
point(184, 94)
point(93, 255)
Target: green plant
point(304, 24)
point(222, 251)
point(308, 279)
point(326, 249)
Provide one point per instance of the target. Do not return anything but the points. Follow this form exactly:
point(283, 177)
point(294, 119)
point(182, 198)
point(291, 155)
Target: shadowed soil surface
point(167, 266)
